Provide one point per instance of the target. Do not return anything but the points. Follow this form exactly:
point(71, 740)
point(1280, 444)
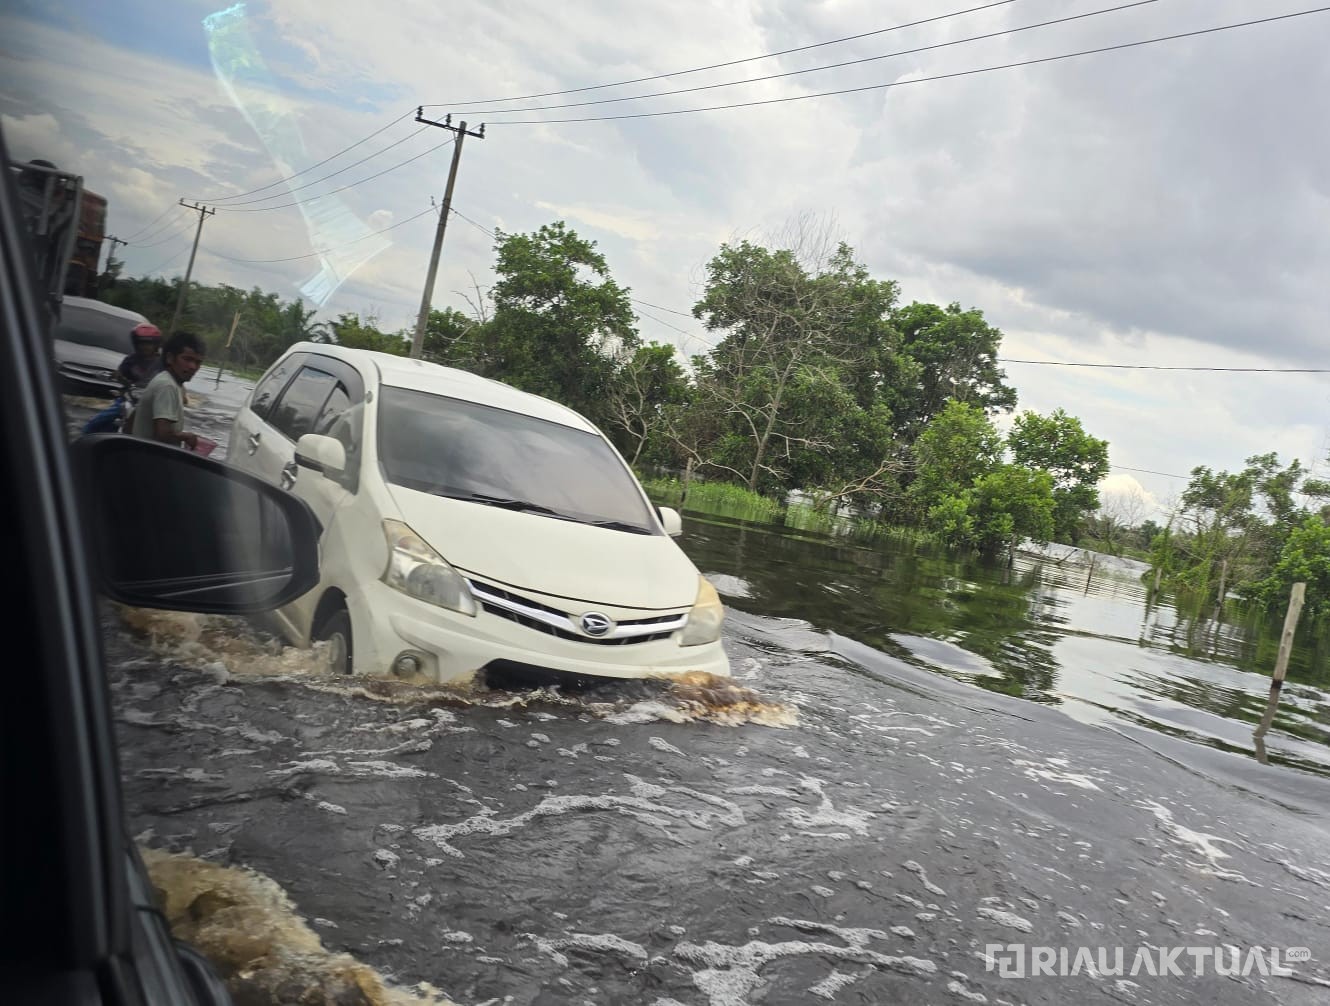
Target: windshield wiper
point(503, 502)
point(620, 525)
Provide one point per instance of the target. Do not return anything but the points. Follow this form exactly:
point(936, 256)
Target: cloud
point(1166, 204)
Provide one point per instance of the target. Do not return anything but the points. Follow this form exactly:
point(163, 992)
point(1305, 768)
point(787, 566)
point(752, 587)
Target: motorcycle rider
point(145, 362)
point(134, 372)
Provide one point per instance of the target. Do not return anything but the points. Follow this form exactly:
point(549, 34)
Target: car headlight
point(705, 618)
point(416, 569)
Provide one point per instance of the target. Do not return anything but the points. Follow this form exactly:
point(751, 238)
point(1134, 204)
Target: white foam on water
point(353, 769)
point(833, 983)
point(729, 973)
point(1036, 771)
point(594, 942)
point(826, 815)
point(918, 870)
point(661, 744)
point(644, 809)
point(825, 892)
point(1004, 918)
point(1207, 846)
point(957, 989)
point(331, 808)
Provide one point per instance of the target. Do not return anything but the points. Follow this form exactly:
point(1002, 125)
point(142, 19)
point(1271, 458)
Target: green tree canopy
point(1077, 462)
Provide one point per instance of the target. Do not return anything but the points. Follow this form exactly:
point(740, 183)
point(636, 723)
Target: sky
point(1165, 204)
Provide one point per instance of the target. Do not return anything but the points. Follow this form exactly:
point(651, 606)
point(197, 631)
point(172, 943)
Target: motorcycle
point(112, 419)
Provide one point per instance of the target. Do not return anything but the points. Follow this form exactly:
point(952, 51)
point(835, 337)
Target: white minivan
point(469, 527)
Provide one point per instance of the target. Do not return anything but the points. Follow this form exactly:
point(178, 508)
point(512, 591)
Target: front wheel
point(336, 629)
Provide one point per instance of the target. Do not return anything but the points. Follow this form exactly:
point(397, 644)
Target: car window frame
point(294, 361)
point(338, 370)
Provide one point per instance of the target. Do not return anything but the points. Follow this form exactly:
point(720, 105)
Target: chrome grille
point(543, 618)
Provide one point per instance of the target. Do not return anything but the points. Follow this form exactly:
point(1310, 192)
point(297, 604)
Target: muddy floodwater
point(920, 763)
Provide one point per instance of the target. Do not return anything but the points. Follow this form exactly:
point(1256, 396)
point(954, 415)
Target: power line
point(918, 80)
point(178, 229)
point(667, 310)
point(153, 224)
point(1147, 471)
point(1151, 366)
point(324, 251)
point(324, 178)
point(472, 222)
point(343, 188)
point(814, 69)
point(732, 62)
point(659, 321)
point(164, 264)
point(317, 164)
point(151, 237)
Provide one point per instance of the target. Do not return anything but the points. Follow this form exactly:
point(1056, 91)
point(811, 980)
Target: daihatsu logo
point(596, 624)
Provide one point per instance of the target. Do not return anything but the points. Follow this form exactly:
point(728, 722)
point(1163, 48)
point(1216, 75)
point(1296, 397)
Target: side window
point(302, 401)
point(347, 426)
point(338, 402)
point(271, 386)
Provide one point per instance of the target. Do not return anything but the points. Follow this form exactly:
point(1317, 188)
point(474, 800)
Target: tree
point(645, 388)
point(1059, 445)
point(803, 325)
point(1120, 511)
point(350, 331)
point(947, 354)
point(955, 450)
point(561, 326)
point(1305, 557)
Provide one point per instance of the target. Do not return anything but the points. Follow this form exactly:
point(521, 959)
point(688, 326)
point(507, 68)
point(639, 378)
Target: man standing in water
point(161, 409)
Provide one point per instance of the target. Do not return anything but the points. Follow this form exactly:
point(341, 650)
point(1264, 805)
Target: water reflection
point(1046, 627)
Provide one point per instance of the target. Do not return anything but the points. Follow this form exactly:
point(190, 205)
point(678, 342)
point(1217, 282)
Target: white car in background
point(469, 527)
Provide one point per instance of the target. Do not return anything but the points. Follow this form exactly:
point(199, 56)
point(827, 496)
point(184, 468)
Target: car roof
point(436, 379)
point(101, 307)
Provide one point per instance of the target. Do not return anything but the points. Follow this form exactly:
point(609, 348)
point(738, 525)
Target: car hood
point(549, 556)
point(87, 356)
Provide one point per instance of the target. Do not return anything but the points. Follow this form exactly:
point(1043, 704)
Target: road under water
point(859, 817)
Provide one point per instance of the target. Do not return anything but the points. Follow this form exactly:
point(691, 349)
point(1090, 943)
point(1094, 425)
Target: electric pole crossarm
point(427, 298)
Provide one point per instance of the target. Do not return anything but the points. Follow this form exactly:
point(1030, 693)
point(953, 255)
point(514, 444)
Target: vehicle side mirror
point(171, 529)
point(670, 521)
point(321, 454)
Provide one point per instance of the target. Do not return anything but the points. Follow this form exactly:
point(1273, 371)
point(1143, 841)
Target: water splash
point(247, 927)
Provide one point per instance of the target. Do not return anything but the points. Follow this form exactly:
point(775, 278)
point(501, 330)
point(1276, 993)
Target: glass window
point(270, 387)
point(454, 448)
point(301, 402)
point(88, 327)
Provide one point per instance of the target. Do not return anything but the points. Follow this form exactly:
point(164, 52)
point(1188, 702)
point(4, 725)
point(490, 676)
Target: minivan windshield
point(89, 327)
point(495, 457)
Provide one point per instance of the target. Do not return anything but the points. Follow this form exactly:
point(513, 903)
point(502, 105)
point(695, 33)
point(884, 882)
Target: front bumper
point(83, 380)
point(455, 647)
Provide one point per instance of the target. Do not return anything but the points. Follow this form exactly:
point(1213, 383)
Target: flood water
point(919, 757)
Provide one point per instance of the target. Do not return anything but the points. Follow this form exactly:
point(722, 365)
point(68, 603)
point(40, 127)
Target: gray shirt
point(163, 398)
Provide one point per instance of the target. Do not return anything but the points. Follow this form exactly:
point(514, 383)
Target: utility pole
point(418, 342)
point(203, 213)
point(110, 255)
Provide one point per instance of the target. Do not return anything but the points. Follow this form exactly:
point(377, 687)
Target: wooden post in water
point(1223, 582)
point(1089, 573)
point(1295, 600)
point(687, 477)
point(235, 320)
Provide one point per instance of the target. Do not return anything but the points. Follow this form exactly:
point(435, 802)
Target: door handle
point(289, 471)
point(253, 442)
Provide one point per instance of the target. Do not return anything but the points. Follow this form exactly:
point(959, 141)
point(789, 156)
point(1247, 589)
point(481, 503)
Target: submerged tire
point(336, 629)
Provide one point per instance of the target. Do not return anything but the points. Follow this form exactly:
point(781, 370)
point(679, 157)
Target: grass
point(724, 499)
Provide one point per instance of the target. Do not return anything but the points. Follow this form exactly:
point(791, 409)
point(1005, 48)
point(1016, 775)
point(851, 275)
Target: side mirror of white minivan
point(670, 520)
point(321, 454)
